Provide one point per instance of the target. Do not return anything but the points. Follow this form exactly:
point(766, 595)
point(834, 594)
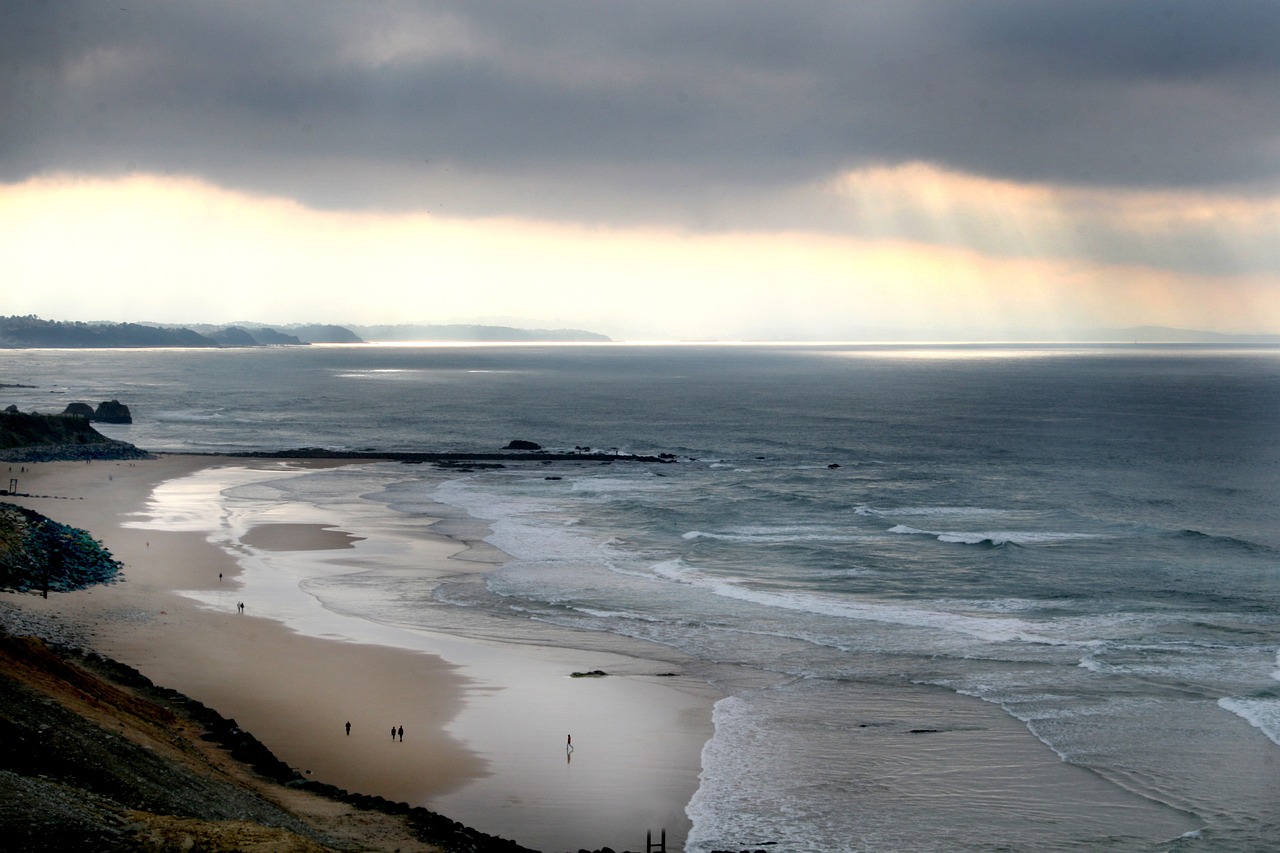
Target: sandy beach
point(485, 725)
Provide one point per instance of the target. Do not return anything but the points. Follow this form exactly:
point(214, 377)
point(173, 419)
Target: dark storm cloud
point(373, 104)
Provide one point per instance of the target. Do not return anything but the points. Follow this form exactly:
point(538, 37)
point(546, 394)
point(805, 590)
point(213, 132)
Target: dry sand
point(637, 739)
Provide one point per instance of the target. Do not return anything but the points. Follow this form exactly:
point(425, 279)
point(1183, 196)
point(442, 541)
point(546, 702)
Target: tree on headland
point(30, 331)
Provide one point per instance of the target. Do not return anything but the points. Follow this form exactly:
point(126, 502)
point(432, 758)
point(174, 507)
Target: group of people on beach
point(396, 731)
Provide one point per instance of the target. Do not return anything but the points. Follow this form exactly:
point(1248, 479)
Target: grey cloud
point(653, 109)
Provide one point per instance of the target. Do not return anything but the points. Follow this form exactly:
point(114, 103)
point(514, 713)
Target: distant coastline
point(31, 332)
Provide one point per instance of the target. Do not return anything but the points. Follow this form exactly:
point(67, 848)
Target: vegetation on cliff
point(23, 429)
point(31, 331)
point(94, 756)
point(29, 437)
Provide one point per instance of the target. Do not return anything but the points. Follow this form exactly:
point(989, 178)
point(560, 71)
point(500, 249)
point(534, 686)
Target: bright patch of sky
point(779, 170)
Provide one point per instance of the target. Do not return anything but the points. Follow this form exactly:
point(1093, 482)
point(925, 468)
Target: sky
point(659, 169)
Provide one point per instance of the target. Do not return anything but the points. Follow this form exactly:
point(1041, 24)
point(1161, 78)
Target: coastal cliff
point(94, 756)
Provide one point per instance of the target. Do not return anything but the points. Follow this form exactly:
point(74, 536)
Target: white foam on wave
point(750, 792)
point(928, 511)
point(1262, 714)
point(618, 614)
point(1092, 664)
point(190, 416)
point(990, 629)
point(994, 537)
point(778, 535)
point(994, 605)
point(374, 373)
point(485, 504)
point(534, 532)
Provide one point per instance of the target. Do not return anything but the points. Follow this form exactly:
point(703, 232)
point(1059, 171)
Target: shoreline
point(296, 692)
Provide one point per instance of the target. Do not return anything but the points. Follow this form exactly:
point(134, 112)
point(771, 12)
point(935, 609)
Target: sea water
point(955, 597)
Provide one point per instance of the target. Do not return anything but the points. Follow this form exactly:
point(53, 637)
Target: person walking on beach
point(402, 734)
point(393, 732)
point(348, 728)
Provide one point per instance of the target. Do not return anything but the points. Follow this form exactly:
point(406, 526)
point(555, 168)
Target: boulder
point(79, 410)
point(520, 444)
point(113, 412)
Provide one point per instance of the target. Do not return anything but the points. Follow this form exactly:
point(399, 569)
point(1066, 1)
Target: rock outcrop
point(112, 412)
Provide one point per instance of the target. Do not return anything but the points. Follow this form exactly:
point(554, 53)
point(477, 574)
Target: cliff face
point(95, 757)
point(90, 764)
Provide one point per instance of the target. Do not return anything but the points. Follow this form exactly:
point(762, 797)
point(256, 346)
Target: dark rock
point(113, 412)
point(833, 465)
point(79, 410)
point(595, 673)
point(520, 444)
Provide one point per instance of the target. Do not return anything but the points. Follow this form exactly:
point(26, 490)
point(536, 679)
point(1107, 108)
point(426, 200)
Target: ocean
point(955, 597)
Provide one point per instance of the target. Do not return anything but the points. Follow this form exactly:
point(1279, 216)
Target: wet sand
point(484, 725)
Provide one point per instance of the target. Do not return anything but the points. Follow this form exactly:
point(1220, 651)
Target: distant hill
point(31, 332)
point(1167, 335)
point(415, 332)
point(239, 336)
point(316, 333)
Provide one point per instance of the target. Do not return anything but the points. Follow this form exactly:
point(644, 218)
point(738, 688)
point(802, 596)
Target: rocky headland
point(30, 437)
